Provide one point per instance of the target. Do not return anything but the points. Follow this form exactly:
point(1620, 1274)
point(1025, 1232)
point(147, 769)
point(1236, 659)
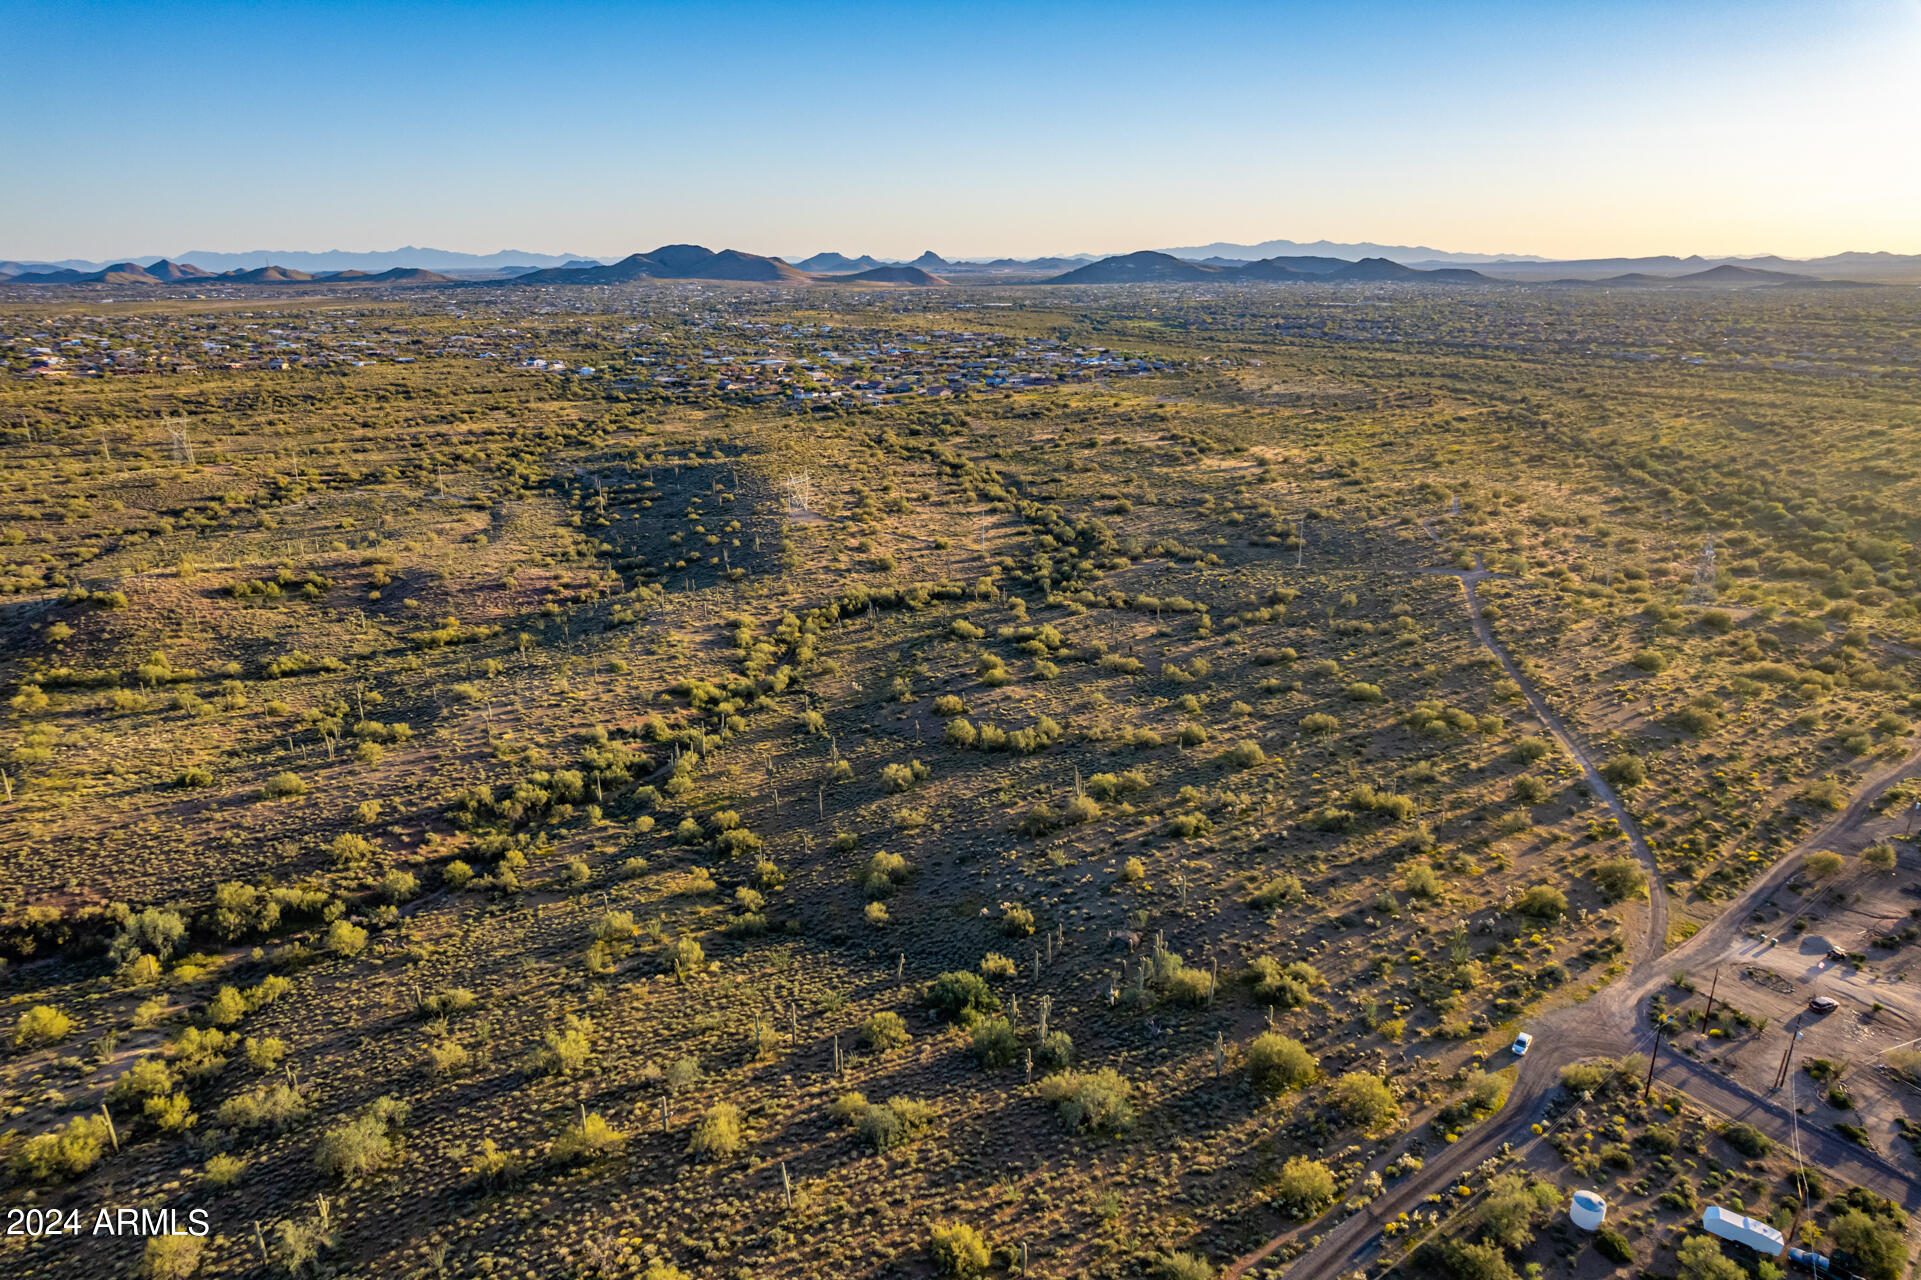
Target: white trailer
point(1752, 1232)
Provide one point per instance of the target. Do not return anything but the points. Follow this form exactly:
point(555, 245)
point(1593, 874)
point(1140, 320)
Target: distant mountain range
point(1342, 252)
point(333, 260)
point(166, 272)
point(674, 262)
point(1889, 267)
point(695, 262)
point(1885, 268)
point(1148, 266)
point(1219, 262)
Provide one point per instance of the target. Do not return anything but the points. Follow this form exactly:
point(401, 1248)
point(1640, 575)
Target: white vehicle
point(1752, 1232)
point(1522, 1043)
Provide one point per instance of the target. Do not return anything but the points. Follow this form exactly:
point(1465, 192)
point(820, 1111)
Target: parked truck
point(1752, 1232)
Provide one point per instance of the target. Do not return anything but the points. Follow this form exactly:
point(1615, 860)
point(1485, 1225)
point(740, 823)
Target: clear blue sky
point(1555, 128)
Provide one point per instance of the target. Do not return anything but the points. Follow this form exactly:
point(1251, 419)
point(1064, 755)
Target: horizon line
point(186, 256)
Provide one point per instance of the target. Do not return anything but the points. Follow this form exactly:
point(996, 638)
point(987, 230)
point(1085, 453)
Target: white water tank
point(1588, 1211)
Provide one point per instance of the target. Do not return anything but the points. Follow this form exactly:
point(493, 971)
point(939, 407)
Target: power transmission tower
point(1702, 592)
point(798, 489)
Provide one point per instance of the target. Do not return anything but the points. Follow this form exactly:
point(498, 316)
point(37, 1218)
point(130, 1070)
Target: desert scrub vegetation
point(884, 1032)
point(958, 1250)
point(717, 1136)
point(1096, 1101)
point(883, 1126)
point(364, 1145)
point(584, 678)
point(1277, 1063)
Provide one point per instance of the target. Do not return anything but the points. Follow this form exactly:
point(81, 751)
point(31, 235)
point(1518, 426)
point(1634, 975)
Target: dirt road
point(1610, 1023)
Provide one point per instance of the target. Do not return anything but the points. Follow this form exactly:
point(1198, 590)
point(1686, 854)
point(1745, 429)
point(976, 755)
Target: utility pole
point(1654, 1057)
point(1707, 1012)
point(1781, 1076)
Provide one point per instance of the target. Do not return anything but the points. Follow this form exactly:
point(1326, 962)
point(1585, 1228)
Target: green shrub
point(226, 1008)
point(224, 1171)
point(1621, 879)
point(276, 1106)
point(1082, 809)
point(884, 1032)
point(1877, 1241)
point(284, 786)
point(40, 1025)
point(1096, 1101)
point(1055, 1052)
point(1613, 1246)
point(687, 958)
point(1543, 902)
point(1277, 893)
point(1288, 985)
point(350, 850)
point(995, 1042)
point(958, 1250)
point(363, 1145)
point(1748, 1140)
point(1277, 1063)
point(1366, 1100)
point(962, 996)
point(1304, 1185)
point(882, 872)
point(564, 1050)
point(1184, 1266)
point(889, 1124)
point(1625, 771)
point(1822, 864)
point(658, 1270)
point(1529, 748)
point(587, 1139)
point(65, 1153)
point(1825, 793)
point(1039, 820)
point(1246, 755)
point(345, 940)
point(1421, 880)
point(172, 1257)
point(718, 1133)
point(146, 1078)
point(170, 1113)
point(1651, 661)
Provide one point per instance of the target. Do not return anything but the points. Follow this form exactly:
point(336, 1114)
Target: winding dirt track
point(1609, 1024)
